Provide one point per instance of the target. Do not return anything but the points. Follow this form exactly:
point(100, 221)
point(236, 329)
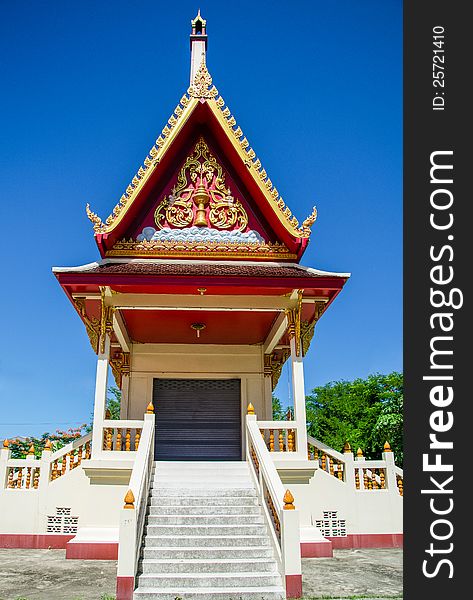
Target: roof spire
point(198, 40)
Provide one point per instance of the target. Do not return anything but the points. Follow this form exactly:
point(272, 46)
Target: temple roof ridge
point(203, 90)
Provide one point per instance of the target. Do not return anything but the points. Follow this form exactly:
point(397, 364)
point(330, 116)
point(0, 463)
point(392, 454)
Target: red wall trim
point(368, 540)
point(34, 541)
point(92, 550)
point(125, 587)
point(293, 586)
point(317, 549)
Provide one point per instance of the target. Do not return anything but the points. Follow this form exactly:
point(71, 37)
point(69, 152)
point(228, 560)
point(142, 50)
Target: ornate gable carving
point(199, 216)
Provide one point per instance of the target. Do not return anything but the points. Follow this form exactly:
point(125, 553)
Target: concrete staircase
point(205, 536)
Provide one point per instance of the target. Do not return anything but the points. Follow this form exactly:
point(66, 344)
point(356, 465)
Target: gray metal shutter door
point(197, 419)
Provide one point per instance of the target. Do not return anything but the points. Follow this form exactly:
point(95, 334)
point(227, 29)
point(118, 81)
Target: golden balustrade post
point(36, 479)
point(340, 471)
point(118, 442)
point(19, 480)
point(330, 465)
point(382, 478)
point(28, 478)
point(109, 444)
point(357, 479)
point(63, 464)
point(128, 440)
point(10, 478)
point(309, 453)
point(54, 471)
point(271, 440)
point(281, 440)
point(324, 461)
point(137, 438)
point(400, 486)
point(290, 441)
point(87, 450)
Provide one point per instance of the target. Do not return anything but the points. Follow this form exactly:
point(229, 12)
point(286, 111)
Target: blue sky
point(87, 87)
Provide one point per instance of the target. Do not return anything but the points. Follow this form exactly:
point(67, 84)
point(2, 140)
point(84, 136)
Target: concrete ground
point(46, 575)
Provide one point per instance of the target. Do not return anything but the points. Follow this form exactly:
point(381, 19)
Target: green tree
point(278, 411)
point(364, 412)
point(19, 447)
point(113, 402)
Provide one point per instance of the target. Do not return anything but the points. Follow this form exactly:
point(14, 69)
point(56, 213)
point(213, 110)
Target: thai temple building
point(197, 301)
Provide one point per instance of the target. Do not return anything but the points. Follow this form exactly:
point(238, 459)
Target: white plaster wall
point(26, 511)
point(374, 511)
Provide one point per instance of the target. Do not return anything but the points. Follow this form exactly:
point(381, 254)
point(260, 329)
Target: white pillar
point(125, 394)
point(298, 394)
point(101, 384)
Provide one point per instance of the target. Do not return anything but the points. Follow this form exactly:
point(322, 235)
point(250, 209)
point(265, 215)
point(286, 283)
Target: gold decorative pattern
point(177, 249)
point(201, 87)
point(106, 320)
point(277, 365)
point(92, 325)
point(120, 365)
point(201, 181)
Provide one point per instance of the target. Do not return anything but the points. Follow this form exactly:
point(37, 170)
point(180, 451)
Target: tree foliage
point(364, 412)
point(20, 446)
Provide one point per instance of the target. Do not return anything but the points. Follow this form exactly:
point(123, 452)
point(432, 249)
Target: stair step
point(202, 553)
point(205, 541)
point(193, 530)
point(202, 487)
point(209, 580)
point(241, 593)
point(199, 510)
point(206, 565)
point(202, 492)
point(211, 519)
point(176, 500)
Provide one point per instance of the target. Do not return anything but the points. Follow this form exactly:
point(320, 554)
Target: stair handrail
point(326, 449)
point(276, 501)
point(70, 446)
point(133, 513)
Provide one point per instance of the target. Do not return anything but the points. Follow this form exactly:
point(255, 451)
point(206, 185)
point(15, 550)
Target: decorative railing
point(364, 475)
point(279, 436)
point(328, 459)
point(133, 514)
point(121, 436)
point(28, 473)
point(69, 457)
point(277, 502)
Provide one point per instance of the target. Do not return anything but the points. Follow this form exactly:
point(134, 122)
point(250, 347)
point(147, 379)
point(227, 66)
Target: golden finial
point(288, 501)
point(250, 410)
point(387, 447)
point(129, 500)
point(150, 409)
point(359, 453)
point(47, 445)
point(202, 82)
point(346, 448)
point(31, 450)
point(305, 229)
point(99, 226)
point(6, 443)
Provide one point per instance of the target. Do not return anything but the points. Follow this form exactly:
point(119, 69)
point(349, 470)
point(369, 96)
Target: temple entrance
point(197, 419)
